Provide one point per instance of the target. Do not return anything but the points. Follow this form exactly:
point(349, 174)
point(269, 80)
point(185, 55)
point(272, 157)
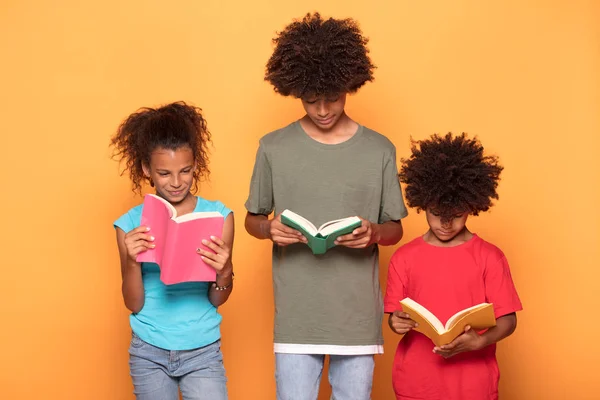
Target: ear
point(146, 169)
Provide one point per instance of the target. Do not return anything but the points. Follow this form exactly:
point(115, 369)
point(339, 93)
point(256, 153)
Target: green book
point(320, 239)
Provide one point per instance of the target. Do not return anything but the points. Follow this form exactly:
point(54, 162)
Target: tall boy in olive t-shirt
point(325, 166)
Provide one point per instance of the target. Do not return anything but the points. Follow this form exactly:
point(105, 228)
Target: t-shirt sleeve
point(396, 284)
point(125, 222)
point(500, 289)
point(260, 199)
point(392, 202)
point(222, 209)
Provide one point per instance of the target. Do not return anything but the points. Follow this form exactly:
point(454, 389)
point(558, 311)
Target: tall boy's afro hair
point(317, 57)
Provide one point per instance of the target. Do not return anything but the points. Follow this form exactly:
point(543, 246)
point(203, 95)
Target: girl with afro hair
point(449, 269)
point(175, 343)
point(325, 166)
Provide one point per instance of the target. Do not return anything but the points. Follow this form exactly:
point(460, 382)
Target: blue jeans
point(159, 374)
point(298, 376)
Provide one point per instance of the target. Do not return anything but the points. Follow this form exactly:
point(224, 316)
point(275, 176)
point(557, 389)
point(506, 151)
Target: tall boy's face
point(445, 226)
point(325, 111)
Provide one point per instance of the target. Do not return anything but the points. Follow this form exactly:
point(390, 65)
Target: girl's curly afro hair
point(171, 126)
point(317, 57)
point(450, 173)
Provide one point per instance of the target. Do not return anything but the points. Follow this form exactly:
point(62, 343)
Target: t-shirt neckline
point(349, 142)
point(462, 245)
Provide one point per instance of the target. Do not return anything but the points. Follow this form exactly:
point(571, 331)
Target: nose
point(176, 181)
point(446, 223)
point(322, 109)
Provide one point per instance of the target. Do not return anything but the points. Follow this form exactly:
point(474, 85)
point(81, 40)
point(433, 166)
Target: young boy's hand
point(468, 341)
point(361, 237)
point(400, 322)
point(283, 235)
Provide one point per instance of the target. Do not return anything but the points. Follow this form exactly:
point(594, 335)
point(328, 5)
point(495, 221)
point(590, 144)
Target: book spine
point(317, 245)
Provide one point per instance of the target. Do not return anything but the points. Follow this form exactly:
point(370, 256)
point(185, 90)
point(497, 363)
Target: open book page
point(423, 312)
point(456, 317)
point(197, 215)
point(300, 220)
point(479, 317)
point(153, 201)
point(332, 226)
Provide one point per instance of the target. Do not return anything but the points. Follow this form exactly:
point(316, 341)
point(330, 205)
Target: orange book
point(480, 316)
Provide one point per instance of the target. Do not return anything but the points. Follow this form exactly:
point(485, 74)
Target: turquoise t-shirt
point(174, 317)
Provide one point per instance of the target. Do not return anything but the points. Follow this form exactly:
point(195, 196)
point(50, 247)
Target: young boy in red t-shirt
point(449, 269)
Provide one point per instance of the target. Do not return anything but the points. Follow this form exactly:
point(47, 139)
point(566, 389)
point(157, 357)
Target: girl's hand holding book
point(220, 260)
point(137, 241)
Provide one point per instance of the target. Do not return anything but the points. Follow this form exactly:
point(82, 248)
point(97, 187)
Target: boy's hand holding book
point(283, 235)
point(400, 322)
point(361, 237)
point(470, 340)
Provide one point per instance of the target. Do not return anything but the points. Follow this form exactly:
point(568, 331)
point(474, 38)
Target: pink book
point(177, 238)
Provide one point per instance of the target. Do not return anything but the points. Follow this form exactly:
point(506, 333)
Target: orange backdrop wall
point(522, 75)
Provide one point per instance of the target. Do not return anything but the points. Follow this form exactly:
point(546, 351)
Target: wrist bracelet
point(219, 288)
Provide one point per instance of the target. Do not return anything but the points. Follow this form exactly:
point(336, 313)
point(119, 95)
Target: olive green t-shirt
point(335, 298)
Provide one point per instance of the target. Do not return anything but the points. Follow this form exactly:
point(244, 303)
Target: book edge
point(424, 313)
point(299, 219)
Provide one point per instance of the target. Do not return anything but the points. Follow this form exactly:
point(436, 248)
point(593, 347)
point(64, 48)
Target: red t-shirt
point(446, 280)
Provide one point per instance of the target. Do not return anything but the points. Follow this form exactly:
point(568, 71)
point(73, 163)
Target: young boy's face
point(445, 226)
point(325, 111)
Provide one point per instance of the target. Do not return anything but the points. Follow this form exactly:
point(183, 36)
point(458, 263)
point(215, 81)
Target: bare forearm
point(505, 326)
point(258, 225)
point(133, 287)
point(388, 233)
point(219, 297)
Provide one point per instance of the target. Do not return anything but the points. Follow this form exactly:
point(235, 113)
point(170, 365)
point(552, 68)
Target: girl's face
point(445, 228)
point(172, 172)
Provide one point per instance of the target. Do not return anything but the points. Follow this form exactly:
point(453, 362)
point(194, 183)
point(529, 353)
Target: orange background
point(523, 75)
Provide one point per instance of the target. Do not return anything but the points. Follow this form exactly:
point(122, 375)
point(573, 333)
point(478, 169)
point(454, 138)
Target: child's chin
point(445, 238)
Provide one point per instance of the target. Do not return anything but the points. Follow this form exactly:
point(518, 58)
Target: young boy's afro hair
point(450, 173)
point(317, 57)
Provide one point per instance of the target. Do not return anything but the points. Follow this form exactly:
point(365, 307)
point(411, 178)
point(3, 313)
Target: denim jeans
point(159, 374)
point(298, 376)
